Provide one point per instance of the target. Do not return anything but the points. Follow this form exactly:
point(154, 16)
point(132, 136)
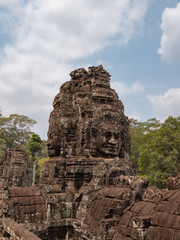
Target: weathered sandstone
point(15, 168)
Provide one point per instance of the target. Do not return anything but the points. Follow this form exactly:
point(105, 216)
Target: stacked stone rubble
point(173, 183)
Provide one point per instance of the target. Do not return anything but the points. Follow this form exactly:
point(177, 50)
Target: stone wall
point(15, 168)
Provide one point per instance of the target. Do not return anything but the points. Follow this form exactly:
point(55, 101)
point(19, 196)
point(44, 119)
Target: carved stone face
point(88, 118)
point(53, 146)
point(109, 140)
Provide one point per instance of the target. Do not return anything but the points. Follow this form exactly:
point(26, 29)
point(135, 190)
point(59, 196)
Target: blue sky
point(138, 43)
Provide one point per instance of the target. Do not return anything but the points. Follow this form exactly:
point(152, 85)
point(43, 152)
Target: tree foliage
point(34, 145)
point(40, 162)
point(137, 134)
point(138, 131)
point(15, 130)
point(156, 149)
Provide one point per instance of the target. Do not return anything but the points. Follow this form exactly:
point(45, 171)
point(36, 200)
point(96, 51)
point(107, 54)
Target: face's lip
point(110, 150)
point(114, 146)
point(51, 150)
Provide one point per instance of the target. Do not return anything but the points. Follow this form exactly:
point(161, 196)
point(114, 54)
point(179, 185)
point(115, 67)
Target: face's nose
point(112, 140)
point(49, 143)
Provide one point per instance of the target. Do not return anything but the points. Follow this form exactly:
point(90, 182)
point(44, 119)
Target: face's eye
point(108, 134)
point(116, 135)
point(94, 132)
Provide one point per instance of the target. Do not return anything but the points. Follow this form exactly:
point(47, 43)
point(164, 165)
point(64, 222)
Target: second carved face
point(109, 140)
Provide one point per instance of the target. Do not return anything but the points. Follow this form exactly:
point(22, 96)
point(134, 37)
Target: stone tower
point(88, 118)
point(88, 132)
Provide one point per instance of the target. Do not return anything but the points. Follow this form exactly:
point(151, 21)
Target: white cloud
point(123, 90)
point(170, 40)
point(167, 104)
point(47, 36)
point(135, 115)
point(74, 29)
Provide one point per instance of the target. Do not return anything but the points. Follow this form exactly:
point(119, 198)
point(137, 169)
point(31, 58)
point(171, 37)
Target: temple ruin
point(89, 189)
point(15, 169)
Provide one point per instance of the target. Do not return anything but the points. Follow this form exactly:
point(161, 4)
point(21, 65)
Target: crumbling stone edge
point(17, 231)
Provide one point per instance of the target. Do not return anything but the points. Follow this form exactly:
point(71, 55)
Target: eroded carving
point(88, 118)
point(15, 168)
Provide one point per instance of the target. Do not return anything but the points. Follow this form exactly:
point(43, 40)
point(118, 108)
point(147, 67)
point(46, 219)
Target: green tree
point(137, 135)
point(138, 131)
point(34, 147)
point(159, 153)
point(42, 158)
point(152, 124)
point(44, 150)
point(2, 147)
point(15, 130)
point(40, 163)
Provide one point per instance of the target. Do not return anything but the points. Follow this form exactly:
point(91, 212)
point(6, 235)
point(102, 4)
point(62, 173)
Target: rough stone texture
point(88, 189)
point(88, 118)
point(15, 168)
point(88, 137)
point(173, 183)
point(14, 231)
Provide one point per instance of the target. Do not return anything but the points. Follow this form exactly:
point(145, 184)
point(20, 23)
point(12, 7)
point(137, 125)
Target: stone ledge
point(16, 231)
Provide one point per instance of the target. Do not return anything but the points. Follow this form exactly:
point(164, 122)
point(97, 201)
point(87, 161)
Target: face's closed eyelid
point(108, 134)
point(116, 135)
